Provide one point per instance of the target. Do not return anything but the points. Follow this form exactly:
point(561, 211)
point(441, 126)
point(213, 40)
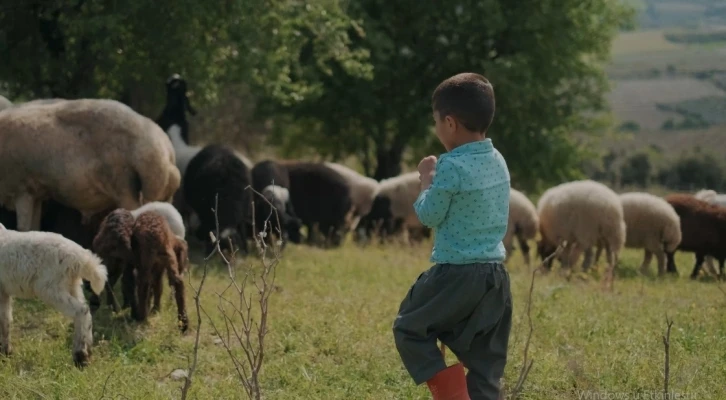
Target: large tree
point(126, 49)
point(544, 57)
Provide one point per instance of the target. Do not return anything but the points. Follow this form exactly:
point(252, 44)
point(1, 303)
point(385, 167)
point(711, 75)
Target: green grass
point(330, 336)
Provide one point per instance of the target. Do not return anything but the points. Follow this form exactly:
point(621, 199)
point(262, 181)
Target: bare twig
point(527, 363)
point(240, 325)
point(198, 306)
point(103, 393)
point(667, 367)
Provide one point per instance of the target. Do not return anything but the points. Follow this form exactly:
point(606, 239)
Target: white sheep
point(653, 225)
point(523, 223)
point(363, 190)
point(49, 267)
point(88, 154)
point(166, 210)
point(393, 206)
point(584, 214)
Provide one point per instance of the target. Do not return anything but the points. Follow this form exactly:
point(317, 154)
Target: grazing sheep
point(582, 213)
point(653, 225)
point(363, 190)
point(157, 250)
point(717, 199)
point(392, 210)
point(166, 210)
point(216, 170)
point(321, 198)
point(703, 231)
point(5, 103)
point(113, 244)
point(96, 154)
point(49, 267)
point(272, 181)
point(523, 223)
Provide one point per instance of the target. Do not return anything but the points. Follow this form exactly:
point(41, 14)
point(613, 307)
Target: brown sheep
point(703, 231)
point(113, 244)
point(155, 250)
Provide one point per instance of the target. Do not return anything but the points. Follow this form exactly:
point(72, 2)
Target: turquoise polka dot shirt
point(467, 205)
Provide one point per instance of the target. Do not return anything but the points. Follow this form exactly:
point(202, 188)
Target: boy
point(464, 300)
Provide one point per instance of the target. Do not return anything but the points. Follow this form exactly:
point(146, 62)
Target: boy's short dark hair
point(469, 98)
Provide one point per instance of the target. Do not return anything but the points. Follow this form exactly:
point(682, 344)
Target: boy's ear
point(450, 123)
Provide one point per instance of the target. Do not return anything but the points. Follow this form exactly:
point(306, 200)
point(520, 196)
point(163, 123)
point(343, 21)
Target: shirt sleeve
point(433, 203)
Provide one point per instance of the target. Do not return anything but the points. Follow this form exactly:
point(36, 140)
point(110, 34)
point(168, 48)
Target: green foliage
point(694, 172)
point(543, 57)
point(629, 126)
point(636, 170)
point(109, 48)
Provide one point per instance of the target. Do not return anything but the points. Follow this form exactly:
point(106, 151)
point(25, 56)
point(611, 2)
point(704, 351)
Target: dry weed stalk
point(667, 367)
point(241, 327)
point(526, 362)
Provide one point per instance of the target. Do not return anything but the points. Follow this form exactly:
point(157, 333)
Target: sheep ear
point(2, 227)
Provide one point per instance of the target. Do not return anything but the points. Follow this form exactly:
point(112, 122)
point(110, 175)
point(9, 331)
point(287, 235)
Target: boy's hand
point(426, 169)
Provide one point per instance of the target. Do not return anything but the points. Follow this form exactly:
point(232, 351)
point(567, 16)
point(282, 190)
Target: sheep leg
point(697, 268)
point(645, 266)
point(660, 257)
point(128, 284)
point(6, 319)
point(110, 295)
point(25, 208)
point(156, 291)
point(587, 260)
point(524, 248)
point(72, 306)
point(567, 255)
point(177, 283)
point(671, 263)
point(598, 252)
point(720, 268)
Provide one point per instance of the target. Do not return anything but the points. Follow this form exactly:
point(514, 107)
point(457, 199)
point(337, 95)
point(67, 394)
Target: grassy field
point(636, 100)
point(330, 336)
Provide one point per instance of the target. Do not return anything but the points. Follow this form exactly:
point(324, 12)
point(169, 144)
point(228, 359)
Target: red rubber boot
point(449, 384)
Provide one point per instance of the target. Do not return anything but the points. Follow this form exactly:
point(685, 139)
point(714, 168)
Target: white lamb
point(363, 190)
point(584, 214)
point(523, 223)
point(166, 210)
point(49, 267)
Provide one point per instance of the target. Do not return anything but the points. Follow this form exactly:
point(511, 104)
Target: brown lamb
point(113, 244)
point(156, 250)
point(703, 231)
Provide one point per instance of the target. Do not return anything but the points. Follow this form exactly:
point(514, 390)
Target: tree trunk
point(388, 162)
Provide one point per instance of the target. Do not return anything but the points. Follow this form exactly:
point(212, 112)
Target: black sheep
point(321, 196)
point(217, 170)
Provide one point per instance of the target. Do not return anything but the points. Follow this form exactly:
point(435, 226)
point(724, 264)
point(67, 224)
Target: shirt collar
point(480, 146)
